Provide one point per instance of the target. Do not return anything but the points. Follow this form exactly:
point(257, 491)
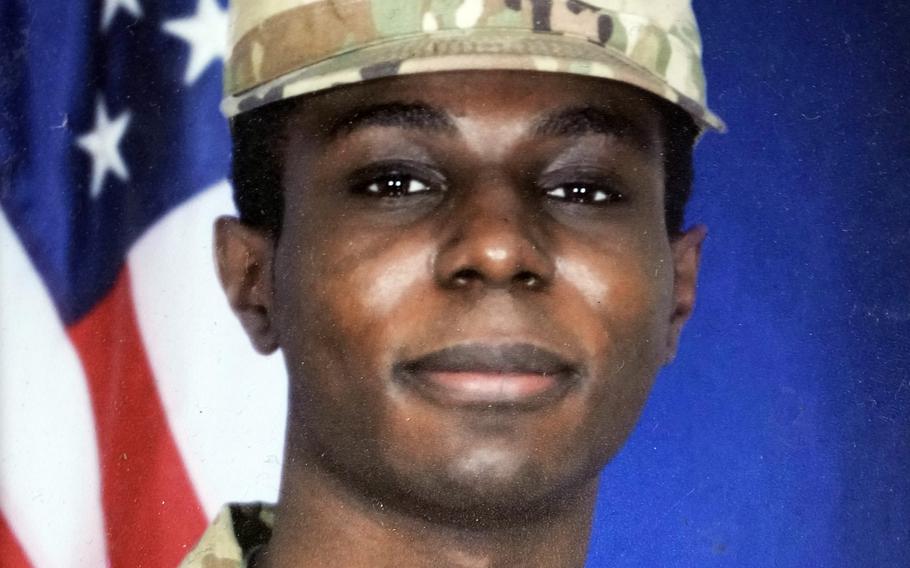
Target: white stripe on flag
point(49, 479)
point(225, 403)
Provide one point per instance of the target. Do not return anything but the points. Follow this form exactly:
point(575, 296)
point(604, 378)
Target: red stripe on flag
point(10, 550)
point(152, 515)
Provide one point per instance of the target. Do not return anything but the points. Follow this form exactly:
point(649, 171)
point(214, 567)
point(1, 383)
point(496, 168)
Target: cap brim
point(467, 51)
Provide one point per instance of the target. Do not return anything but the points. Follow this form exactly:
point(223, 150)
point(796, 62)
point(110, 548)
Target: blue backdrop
point(781, 436)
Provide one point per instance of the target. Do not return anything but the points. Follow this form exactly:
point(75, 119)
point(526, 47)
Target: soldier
point(462, 224)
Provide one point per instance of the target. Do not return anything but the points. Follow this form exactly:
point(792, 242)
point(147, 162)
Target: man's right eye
point(393, 185)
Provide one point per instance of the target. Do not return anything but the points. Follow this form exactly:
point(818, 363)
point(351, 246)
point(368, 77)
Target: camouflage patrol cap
point(285, 48)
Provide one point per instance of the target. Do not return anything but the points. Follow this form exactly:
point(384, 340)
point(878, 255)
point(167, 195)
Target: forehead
point(479, 97)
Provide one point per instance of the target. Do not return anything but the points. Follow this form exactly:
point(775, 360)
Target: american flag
point(131, 406)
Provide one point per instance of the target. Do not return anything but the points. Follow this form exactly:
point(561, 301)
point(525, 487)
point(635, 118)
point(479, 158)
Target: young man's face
point(473, 288)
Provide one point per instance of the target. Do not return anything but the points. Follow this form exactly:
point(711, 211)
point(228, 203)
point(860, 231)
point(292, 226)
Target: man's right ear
point(244, 256)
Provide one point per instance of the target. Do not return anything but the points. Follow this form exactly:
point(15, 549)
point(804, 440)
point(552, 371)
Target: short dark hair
point(258, 136)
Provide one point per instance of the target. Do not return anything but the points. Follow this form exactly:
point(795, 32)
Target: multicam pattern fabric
point(284, 48)
point(233, 537)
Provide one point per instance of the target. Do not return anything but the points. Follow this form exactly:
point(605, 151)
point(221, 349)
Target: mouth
point(514, 376)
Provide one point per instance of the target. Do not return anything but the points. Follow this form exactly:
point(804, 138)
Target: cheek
point(376, 294)
point(586, 281)
point(627, 289)
point(339, 303)
point(621, 314)
point(395, 280)
point(345, 293)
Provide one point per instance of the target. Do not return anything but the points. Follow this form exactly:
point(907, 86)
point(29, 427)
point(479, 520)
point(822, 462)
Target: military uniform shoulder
point(235, 534)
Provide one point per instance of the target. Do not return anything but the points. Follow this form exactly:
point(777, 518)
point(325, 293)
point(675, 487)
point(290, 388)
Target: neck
point(321, 522)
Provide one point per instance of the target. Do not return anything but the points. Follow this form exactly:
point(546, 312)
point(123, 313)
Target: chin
point(487, 486)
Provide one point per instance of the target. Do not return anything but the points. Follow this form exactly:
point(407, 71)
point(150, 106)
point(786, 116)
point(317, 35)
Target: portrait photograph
point(454, 284)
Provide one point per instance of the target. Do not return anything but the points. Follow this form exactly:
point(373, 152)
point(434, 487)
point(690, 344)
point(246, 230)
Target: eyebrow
point(396, 114)
point(587, 120)
point(571, 121)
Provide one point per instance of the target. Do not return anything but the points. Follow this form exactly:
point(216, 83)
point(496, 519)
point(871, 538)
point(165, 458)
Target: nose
point(492, 237)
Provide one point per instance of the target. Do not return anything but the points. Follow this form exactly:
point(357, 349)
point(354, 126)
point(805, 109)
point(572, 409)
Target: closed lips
point(489, 376)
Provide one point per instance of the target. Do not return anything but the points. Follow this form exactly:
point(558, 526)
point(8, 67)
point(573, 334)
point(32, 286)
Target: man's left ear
point(686, 250)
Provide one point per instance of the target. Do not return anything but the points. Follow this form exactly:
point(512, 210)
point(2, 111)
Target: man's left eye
point(395, 185)
point(584, 193)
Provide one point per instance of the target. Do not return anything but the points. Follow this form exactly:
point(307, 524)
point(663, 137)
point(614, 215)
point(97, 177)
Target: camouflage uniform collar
point(234, 536)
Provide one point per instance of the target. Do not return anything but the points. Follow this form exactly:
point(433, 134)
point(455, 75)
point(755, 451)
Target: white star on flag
point(103, 146)
point(206, 34)
point(110, 9)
